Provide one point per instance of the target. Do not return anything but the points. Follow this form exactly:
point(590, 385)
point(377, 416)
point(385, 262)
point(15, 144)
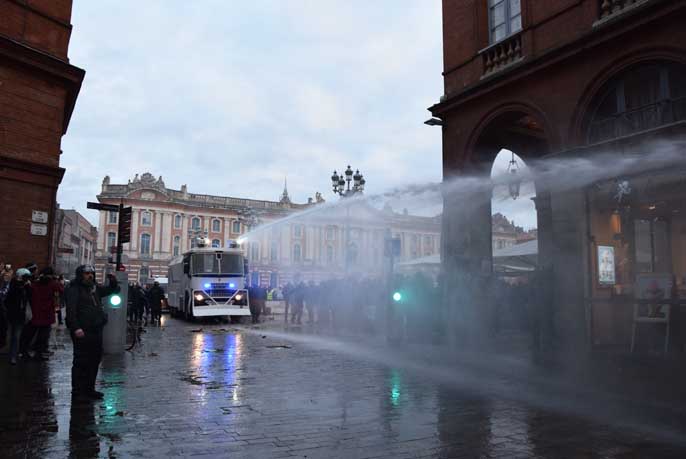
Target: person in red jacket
point(43, 315)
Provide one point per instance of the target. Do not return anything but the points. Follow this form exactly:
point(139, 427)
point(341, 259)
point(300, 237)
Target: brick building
point(75, 242)
point(568, 79)
point(310, 247)
point(38, 90)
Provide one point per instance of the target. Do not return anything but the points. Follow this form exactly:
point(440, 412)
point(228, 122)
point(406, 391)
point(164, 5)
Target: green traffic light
point(115, 300)
point(397, 296)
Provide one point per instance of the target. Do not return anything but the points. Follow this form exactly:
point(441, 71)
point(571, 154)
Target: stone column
point(166, 230)
point(184, 233)
point(102, 232)
point(156, 231)
point(467, 267)
point(135, 217)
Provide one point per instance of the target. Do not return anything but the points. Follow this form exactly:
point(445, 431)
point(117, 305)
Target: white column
point(156, 228)
point(227, 230)
point(135, 216)
point(102, 233)
point(184, 233)
point(167, 224)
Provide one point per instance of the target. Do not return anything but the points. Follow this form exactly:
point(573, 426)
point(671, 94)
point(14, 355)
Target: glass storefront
point(637, 255)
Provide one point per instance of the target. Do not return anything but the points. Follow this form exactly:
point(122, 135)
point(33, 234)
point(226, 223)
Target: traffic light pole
point(120, 244)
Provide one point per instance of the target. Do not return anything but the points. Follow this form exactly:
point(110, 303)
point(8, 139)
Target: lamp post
point(342, 186)
point(514, 180)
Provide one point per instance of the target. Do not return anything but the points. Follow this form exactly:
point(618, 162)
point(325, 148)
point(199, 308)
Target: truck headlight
point(238, 297)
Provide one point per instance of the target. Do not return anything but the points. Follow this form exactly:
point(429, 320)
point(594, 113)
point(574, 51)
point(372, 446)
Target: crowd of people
point(32, 300)
point(145, 303)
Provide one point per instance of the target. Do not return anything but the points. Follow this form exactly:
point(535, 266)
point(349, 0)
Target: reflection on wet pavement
point(231, 392)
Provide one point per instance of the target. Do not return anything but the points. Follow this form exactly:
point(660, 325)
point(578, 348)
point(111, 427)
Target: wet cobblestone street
point(198, 390)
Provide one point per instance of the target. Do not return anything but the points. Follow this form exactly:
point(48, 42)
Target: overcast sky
point(229, 97)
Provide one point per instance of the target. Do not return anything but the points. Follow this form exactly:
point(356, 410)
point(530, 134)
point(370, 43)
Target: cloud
point(230, 97)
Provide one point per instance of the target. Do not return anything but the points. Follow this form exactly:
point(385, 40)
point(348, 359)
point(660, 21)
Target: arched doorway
point(472, 273)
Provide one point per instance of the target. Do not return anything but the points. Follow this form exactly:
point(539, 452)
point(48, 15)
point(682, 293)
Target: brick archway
point(507, 126)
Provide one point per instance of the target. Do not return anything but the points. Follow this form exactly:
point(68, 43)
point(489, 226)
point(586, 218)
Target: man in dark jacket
point(155, 296)
point(85, 320)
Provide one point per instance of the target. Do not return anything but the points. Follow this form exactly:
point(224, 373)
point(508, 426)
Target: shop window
point(652, 246)
point(216, 243)
point(505, 17)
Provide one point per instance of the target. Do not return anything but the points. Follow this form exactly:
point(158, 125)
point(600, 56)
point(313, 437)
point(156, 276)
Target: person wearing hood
point(18, 307)
point(86, 319)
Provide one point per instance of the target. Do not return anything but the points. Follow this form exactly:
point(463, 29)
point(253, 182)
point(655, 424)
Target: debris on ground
point(279, 346)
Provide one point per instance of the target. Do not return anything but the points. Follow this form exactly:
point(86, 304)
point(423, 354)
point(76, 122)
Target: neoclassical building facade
point(288, 241)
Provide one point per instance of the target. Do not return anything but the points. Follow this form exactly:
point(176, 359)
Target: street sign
point(39, 216)
point(99, 206)
point(38, 229)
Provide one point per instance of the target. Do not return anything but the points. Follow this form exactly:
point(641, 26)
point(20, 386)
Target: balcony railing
point(637, 120)
point(502, 54)
point(611, 7)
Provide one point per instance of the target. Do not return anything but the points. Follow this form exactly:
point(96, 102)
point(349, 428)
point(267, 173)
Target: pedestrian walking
point(43, 292)
point(18, 306)
point(60, 300)
point(85, 320)
point(298, 297)
point(155, 297)
point(287, 296)
point(5, 279)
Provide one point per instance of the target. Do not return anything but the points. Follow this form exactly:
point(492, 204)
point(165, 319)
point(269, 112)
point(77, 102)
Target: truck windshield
point(207, 263)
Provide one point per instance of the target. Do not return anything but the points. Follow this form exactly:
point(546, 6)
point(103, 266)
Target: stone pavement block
point(220, 393)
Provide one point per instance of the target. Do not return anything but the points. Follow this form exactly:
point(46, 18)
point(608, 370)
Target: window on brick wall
point(505, 18)
point(111, 240)
point(146, 218)
point(216, 226)
point(177, 221)
point(177, 245)
point(236, 226)
point(112, 217)
point(195, 223)
point(145, 244)
point(216, 243)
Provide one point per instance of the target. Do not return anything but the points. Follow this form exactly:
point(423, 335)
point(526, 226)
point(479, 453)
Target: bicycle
point(133, 334)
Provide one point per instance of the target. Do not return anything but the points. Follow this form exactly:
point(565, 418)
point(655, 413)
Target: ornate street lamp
point(341, 183)
point(341, 186)
point(514, 181)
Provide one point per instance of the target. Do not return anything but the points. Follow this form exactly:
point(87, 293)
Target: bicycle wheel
point(131, 335)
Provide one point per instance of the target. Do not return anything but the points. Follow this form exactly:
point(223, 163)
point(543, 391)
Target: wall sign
point(38, 229)
point(39, 216)
point(606, 265)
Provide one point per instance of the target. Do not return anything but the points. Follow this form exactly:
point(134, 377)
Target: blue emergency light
point(207, 285)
